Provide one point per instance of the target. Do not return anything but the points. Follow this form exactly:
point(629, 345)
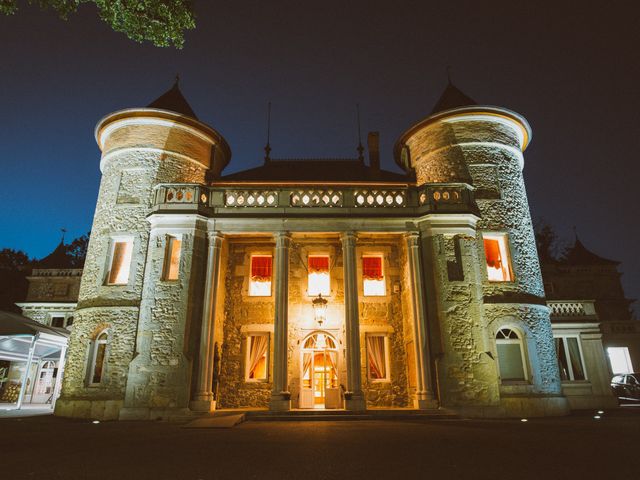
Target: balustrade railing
point(572, 309)
point(435, 197)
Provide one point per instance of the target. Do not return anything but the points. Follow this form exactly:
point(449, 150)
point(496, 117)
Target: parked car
point(626, 387)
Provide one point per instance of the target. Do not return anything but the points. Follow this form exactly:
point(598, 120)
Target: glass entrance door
point(319, 376)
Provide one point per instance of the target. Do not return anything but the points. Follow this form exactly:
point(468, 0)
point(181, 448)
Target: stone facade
point(179, 346)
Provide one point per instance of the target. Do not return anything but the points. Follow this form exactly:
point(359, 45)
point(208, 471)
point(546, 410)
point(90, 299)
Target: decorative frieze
point(250, 198)
point(316, 198)
point(380, 198)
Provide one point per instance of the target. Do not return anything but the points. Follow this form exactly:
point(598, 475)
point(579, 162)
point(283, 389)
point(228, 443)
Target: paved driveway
point(565, 448)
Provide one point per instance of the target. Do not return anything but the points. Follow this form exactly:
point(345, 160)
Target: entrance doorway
point(319, 387)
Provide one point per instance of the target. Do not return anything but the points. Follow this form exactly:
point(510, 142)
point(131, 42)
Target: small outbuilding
point(31, 362)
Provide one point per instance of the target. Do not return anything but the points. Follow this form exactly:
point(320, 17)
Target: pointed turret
point(452, 97)
point(581, 255)
point(56, 259)
point(174, 101)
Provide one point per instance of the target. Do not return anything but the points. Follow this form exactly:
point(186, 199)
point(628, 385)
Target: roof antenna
point(63, 230)
point(267, 147)
point(360, 147)
point(448, 68)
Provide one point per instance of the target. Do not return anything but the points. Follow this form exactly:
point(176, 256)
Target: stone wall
point(244, 315)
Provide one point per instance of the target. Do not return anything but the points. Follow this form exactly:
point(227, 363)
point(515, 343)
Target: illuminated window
point(120, 262)
point(569, 358)
point(620, 360)
point(510, 356)
point(373, 276)
point(318, 281)
point(496, 251)
point(256, 364)
point(261, 273)
point(172, 258)
point(98, 357)
point(377, 358)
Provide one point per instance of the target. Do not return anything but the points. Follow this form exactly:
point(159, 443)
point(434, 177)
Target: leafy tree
point(76, 251)
point(162, 22)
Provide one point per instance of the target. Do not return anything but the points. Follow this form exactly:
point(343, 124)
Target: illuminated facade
point(312, 284)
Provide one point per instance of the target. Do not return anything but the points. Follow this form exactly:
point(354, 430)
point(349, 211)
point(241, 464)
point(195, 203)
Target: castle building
point(324, 284)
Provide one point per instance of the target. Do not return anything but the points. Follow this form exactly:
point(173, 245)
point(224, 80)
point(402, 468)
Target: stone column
point(424, 386)
point(280, 396)
point(203, 397)
point(354, 396)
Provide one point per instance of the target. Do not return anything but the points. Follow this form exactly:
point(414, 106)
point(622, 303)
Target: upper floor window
point(98, 357)
point(318, 280)
point(261, 274)
point(569, 358)
point(373, 276)
point(57, 322)
point(120, 263)
point(496, 251)
point(171, 267)
point(510, 355)
point(257, 357)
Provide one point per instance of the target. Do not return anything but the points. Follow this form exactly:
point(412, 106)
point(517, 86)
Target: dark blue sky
point(573, 71)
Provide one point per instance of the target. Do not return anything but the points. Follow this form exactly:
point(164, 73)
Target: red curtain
point(372, 268)
point(318, 264)
point(261, 269)
point(492, 252)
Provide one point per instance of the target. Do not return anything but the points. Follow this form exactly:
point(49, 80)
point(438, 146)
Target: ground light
point(96, 421)
point(524, 420)
point(600, 412)
point(597, 417)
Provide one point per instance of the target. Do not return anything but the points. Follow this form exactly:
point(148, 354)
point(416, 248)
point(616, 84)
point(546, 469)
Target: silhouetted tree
point(77, 251)
point(162, 22)
point(15, 265)
point(550, 247)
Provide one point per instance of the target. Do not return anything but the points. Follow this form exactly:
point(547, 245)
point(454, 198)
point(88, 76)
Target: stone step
point(345, 415)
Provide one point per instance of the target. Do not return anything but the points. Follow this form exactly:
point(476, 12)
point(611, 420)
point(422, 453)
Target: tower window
point(510, 355)
point(172, 258)
point(120, 262)
point(318, 280)
point(256, 364)
point(261, 274)
point(496, 251)
point(98, 357)
point(373, 276)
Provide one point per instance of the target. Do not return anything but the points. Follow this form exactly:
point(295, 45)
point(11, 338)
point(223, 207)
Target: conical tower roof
point(174, 101)
point(580, 255)
point(56, 259)
point(452, 97)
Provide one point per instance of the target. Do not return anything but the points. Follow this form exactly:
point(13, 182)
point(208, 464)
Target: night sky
point(572, 71)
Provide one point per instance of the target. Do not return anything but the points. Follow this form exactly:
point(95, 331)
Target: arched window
point(510, 355)
point(98, 358)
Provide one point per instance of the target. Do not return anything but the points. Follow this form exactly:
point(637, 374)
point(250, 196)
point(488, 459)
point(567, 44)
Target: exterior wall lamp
point(320, 309)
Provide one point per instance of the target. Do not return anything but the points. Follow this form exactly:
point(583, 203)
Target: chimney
point(373, 143)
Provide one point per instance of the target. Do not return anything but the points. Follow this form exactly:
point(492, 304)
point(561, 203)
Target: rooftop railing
point(572, 309)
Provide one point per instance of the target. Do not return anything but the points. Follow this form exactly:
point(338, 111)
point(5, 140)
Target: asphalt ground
point(579, 447)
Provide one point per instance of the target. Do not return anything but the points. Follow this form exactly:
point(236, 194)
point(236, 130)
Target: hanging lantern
point(320, 309)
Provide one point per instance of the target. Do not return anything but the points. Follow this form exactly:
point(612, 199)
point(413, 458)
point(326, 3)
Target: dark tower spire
point(360, 147)
point(267, 147)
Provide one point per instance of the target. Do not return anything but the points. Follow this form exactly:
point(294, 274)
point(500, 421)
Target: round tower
point(501, 288)
point(141, 148)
